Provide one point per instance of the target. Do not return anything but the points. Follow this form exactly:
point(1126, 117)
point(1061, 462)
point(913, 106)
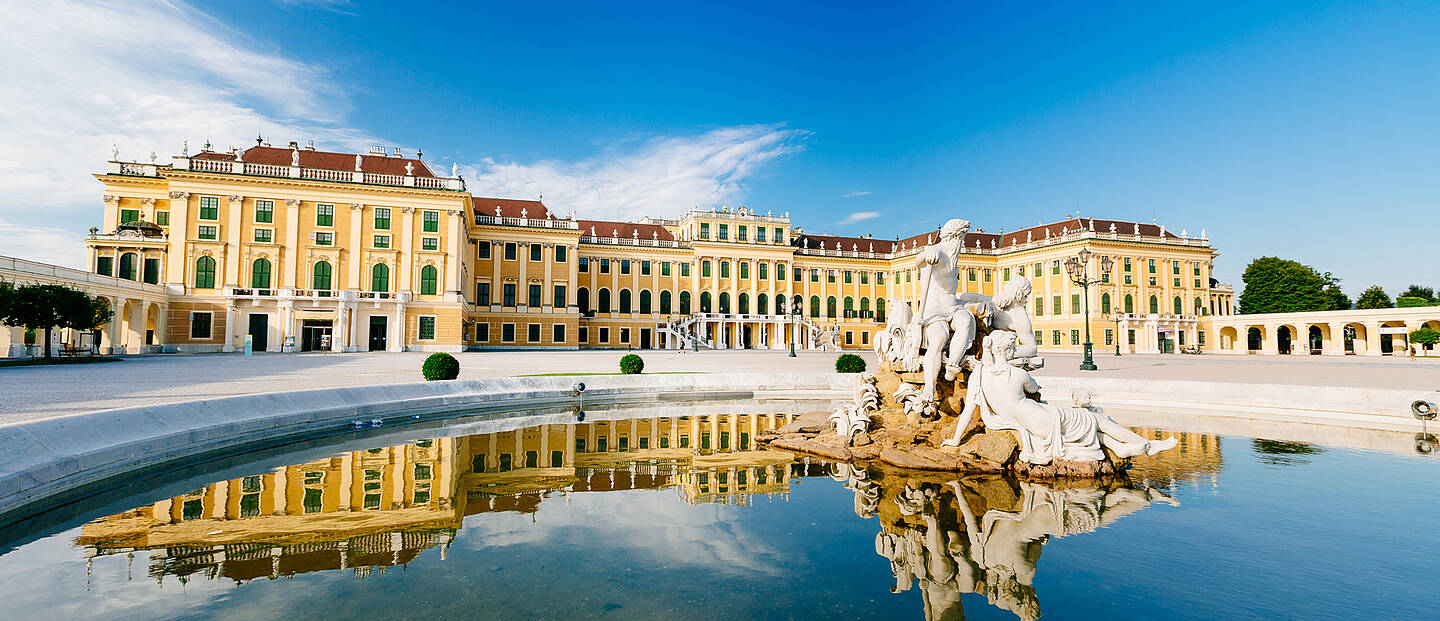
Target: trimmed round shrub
point(440, 366)
point(849, 363)
point(631, 364)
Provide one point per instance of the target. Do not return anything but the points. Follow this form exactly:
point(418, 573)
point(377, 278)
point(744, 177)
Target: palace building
point(297, 249)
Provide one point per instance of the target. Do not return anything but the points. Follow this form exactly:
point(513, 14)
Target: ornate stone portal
point(954, 390)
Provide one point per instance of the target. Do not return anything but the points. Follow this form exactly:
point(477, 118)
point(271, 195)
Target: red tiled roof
point(606, 228)
point(326, 160)
point(831, 242)
point(1057, 229)
point(508, 207)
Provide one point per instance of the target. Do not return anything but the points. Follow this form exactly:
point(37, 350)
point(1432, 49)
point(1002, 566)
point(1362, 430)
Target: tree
point(1275, 285)
point(1425, 336)
point(1338, 299)
point(1416, 291)
point(1374, 297)
point(46, 307)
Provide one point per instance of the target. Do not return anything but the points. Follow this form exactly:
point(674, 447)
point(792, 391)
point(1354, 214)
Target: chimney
point(397, 152)
point(294, 145)
point(310, 145)
point(377, 150)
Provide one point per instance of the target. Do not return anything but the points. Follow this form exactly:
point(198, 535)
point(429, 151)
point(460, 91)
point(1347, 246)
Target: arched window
point(665, 302)
point(830, 307)
point(321, 277)
point(797, 305)
point(260, 273)
point(127, 266)
point(705, 302)
point(814, 306)
point(380, 277)
point(744, 308)
point(880, 310)
point(625, 301)
point(865, 307)
point(762, 303)
point(645, 301)
point(602, 304)
point(1199, 307)
point(780, 305)
point(1104, 303)
point(684, 302)
point(1129, 304)
point(724, 302)
point(582, 297)
point(205, 273)
point(849, 307)
point(429, 280)
point(1179, 306)
point(1154, 305)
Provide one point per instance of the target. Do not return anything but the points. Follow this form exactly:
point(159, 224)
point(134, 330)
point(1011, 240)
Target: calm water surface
point(684, 517)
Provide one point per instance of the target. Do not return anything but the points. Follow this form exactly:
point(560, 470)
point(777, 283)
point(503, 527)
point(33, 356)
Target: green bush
point(440, 366)
point(849, 363)
point(631, 364)
point(1412, 302)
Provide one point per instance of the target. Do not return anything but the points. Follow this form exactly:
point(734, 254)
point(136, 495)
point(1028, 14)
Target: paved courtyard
point(43, 391)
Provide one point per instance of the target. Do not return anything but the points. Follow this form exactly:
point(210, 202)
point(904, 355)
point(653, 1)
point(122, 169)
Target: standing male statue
point(940, 319)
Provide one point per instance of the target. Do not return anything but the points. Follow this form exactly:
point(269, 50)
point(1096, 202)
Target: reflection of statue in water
point(1000, 393)
point(985, 536)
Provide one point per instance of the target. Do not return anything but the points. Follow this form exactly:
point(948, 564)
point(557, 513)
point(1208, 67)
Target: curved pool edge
point(42, 460)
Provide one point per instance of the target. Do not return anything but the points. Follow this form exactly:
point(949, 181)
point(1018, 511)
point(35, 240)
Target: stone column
point(547, 289)
point(175, 253)
point(356, 256)
point(397, 329)
point(497, 288)
point(340, 335)
point(453, 258)
point(111, 340)
point(287, 325)
point(572, 255)
point(232, 256)
point(230, 320)
point(405, 264)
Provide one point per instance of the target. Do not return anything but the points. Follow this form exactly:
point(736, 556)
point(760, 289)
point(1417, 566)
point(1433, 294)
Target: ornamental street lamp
point(1075, 267)
point(793, 332)
point(1117, 334)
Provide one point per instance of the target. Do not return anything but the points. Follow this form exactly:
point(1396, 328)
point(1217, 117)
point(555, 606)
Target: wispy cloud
point(855, 193)
point(661, 176)
point(860, 216)
point(80, 76)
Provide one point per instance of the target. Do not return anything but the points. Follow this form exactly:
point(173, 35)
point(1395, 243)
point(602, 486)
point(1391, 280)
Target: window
point(1129, 304)
point(264, 236)
point(1129, 279)
point(324, 215)
point(779, 235)
point(583, 266)
point(162, 218)
point(724, 269)
point(665, 302)
point(970, 274)
point(129, 215)
point(1105, 303)
point(864, 278)
point(558, 296)
point(535, 252)
point(532, 333)
point(779, 271)
point(320, 277)
point(1035, 271)
point(430, 221)
point(604, 335)
point(724, 232)
point(127, 266)
point(1200, 338)
point(664, 268)
point(200, 325)
point(602, 300)
point(104, 265)
point(1109, 336)
point(1179, 306)
point(382, 241)
point(796, 274)
point(740, 233)
point(1154, 305)
point(1039, 306)
point(324, 239)
point(685, 270)
point(1075, 304)
point(382, 218)
point(510, 251)
point(483, 250)
point(482, 293)
point(1055, 307)
point(814, 275)
point(645, 301)
point(624, 336)
point(704, 230)
point(534, 297)
point(427, 329)
point(430, 243)
point(1175, 267)
point(744, 306)
point(625, 266)
point(206, 232)
point(814, 306)
point(1055, 270)
point(759, 234)
point(1055, 337)
point(508, 295)
point(561, 253)
point(684, 302)
point(482, 332)
point(559, 333)
point(987, 274)
point(830, 276)
point(1127, 264)
point(745, 270)
point(848, 277)
point(604, 266)
point(429, 280)
point(507, 332)
point(1074, 337)
point(1039, 337)
point(205, 273)
point(1152, 265)
point(260, 274)
point(264, 211)
point(380, 277)
point(1005, 274)
point(1130, 336)
point(209, 208)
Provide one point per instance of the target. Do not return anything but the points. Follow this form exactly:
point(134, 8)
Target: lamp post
point(1117, 334)
point(793, 332)
point(1075, 266)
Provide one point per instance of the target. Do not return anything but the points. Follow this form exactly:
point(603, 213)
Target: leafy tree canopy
point(1374, 297)
point(44, 307)
point(1425, 336)
point(1416, 291)
point(1275, 285)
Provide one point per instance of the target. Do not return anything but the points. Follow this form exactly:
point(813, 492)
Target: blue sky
point(1306, 131)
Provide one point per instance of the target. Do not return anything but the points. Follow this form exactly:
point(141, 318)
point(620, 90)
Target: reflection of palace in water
point(373, 509)
point(984, 534)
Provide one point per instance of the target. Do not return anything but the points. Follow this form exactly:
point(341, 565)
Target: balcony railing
point(544, 223)
point(252, 293)
point(294, 172)
point(633, 241)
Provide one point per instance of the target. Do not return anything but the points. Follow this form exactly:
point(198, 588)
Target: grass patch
point(608, 373)
point(35, 362)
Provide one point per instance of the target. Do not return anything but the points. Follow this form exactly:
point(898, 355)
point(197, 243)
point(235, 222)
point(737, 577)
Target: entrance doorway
point(379, 326)
point(645, 338)
point(1166, 345)
point(259, 331)
point(315, 334)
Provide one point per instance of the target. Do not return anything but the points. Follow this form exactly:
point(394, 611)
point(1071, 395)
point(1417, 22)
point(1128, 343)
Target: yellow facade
point(287, 248)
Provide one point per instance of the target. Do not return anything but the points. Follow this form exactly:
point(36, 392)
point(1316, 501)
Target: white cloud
point(46, 244)
point(860, 216)
point(142, 75)
point(663, 176)
point(855, 193)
